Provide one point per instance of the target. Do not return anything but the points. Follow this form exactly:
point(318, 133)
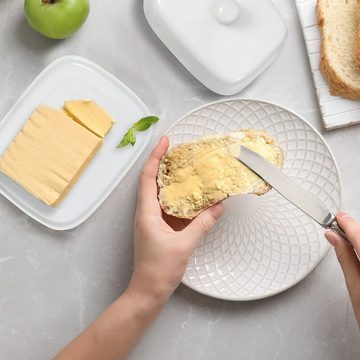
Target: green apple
point(56, 19)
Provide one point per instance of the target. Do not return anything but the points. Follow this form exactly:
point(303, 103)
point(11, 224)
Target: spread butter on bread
point(196, 175)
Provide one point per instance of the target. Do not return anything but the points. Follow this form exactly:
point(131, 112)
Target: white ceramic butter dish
point(225, 44)
point(73, 77)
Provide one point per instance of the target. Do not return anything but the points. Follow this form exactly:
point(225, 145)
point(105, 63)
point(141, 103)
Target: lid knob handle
point(227, 11)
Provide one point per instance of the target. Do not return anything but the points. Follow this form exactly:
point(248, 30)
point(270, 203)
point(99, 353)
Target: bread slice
point(338, 22)
point(197, 175)
point(357, 38)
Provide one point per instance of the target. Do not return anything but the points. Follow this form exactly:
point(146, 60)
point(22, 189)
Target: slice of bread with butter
point(197, 175)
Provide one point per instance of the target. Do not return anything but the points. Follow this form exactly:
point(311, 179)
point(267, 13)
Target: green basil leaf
point(144, 123)
point(132, 137)
point(141, 125)
point(125, 141)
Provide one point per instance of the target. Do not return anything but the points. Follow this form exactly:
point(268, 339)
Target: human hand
point(163, 244)
point(348, 258)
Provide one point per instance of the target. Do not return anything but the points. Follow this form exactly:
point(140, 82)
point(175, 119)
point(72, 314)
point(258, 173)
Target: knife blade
point(288, 188)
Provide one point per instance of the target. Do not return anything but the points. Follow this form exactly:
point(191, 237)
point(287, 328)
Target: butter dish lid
point(225, 44)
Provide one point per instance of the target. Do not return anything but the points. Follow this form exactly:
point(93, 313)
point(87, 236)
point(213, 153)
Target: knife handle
point(334, 226)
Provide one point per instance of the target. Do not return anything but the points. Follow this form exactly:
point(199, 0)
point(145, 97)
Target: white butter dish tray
point(73, 77)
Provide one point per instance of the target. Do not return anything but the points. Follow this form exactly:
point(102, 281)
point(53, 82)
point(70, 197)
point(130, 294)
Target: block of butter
point(49, 154)
point(90, 115)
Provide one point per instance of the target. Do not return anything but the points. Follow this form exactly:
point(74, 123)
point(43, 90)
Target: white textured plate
point(263, 245)
point(72, 77)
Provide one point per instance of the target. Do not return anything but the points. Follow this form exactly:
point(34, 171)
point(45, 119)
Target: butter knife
point(284, 185)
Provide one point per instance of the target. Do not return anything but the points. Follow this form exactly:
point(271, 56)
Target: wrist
point(147, 299)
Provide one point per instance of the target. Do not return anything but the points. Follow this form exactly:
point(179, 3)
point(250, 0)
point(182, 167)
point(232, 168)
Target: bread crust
point(172, 160)
point(357, 39)
point(337, 86)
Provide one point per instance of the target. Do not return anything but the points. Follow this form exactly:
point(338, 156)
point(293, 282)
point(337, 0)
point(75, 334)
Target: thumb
point(203, 223)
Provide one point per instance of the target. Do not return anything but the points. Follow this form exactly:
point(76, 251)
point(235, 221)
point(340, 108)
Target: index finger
point(147, 184)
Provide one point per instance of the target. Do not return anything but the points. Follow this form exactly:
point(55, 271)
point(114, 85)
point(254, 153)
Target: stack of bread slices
point(340, 46)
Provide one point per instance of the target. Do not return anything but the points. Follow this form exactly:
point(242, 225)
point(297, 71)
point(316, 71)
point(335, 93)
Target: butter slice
point(90, 115)
point(49, 154)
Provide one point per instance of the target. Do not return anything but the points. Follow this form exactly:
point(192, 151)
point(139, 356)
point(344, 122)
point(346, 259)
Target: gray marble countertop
point(53, 284)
